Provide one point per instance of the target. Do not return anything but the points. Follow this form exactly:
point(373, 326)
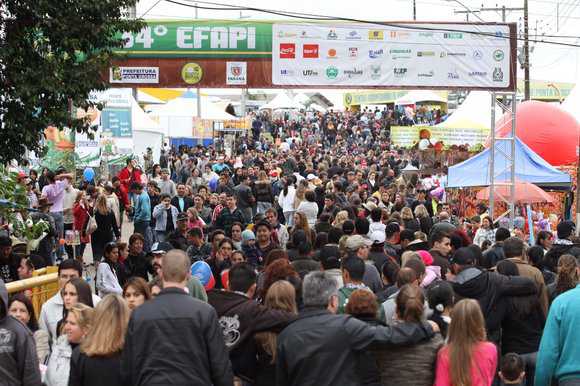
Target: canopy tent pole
point(492, 159)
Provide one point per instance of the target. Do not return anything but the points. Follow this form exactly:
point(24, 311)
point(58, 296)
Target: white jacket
point(58, 368)
point(51, 314)
point(310, 209)
point(107, 281)
point(287, 202)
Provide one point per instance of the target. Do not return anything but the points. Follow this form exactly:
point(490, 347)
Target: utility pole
point(526, 48)
point(414, 10)
point(466, 14)
point(198, 90)
point(526, 53)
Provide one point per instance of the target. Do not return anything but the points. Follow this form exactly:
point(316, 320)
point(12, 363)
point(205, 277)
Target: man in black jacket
point(181, 201)
point(319, 347)
point(241, 317)
point(490, 289)
point(495, 254)
point(175, 339)
point(562, 245)
point(229, 215)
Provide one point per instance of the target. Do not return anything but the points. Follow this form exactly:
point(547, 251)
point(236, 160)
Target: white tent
point(316, 107)
point(473, 113)
point(176, 117)
point(301, 98)
point(415, 96)
point(282, 102)
point(572, 102)
point(146, 132)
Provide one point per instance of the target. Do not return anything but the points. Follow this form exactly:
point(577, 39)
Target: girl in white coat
point(286, 200)
point(107, 276)
point(75, 328)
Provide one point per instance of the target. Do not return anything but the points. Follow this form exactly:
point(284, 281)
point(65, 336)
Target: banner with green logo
point(200, 39)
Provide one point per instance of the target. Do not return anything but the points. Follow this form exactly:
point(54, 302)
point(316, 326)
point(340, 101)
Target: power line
point(317, 17)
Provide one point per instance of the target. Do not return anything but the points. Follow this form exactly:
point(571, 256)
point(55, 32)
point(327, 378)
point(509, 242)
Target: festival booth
point(282, 105)
point(529, 167)
point(179, 118)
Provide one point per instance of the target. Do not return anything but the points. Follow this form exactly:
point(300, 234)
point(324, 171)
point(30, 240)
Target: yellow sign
point(376, 35)
point(191, 73)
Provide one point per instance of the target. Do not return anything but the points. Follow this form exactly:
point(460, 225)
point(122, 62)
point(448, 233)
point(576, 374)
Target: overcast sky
point(553, 63)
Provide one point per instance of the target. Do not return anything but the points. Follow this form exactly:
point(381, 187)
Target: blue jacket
point(142, 208)
point(559, 354)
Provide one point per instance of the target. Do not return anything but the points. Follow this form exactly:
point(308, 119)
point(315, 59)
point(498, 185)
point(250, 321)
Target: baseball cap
point(565, 229)
point(463, 256)
point(182, 216)
point(378, 237)
point(310, 177)
point(357, 241)
point(162, 247)
point(248, 235)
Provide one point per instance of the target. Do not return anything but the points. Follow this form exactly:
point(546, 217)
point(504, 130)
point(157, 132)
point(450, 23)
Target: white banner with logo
point(236, 73)
point(426, 55)
point(133, 74)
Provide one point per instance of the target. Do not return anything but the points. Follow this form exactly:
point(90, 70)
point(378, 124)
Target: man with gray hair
point(328, 358)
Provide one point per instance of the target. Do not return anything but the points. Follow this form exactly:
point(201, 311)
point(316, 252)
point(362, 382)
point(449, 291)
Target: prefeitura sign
point(339, 55)
point(422, 55)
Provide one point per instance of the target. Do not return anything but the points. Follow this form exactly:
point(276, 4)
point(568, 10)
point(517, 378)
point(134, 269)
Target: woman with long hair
point(340, 218)
point(98, 359)
point(280, 296)
point(136, 292)
point(467, 359)
point(76, 327)
point(566, 278)
point(485, 232)
point(409, 220)
point(301, 223)
point(409, 365)
point(425, 221)
point(20, 307)
point(75, 291)
point(108, 272)
point(107, 229)
point(286, 200)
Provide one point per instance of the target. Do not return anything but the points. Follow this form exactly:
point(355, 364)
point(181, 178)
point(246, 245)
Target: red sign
point(310, 51)
point(287, 50)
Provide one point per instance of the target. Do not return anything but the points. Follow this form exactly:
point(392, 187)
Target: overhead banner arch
point(256, 54)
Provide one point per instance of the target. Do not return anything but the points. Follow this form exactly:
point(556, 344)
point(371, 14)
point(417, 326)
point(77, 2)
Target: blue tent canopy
point(530, 167)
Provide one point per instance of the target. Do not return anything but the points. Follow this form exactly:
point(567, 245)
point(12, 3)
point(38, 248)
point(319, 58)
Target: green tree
point(52, 54)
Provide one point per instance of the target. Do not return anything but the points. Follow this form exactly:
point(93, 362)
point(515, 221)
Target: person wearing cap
point(492, 290)
point(359, 246)
point(178, 237)
point(377, 253)
point(329, 257)
point(562, 245)
point(249, 248)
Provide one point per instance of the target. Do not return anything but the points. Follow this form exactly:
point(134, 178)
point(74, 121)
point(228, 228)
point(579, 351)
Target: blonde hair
point(340, 218)
point(107, 336)
point(407, 213)
point(409, 255)
point(466, 330)
point(83, 314)
point(280, 296)
point(193, 212)
point(101, 205)
point(421, 211)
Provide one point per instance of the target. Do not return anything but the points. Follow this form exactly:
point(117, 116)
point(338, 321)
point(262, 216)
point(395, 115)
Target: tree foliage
point(52, 54)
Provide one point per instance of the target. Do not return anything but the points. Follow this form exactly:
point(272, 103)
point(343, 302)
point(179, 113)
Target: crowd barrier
point(40, 287)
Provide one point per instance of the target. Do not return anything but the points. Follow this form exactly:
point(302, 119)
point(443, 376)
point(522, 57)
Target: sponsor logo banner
point(310, 51)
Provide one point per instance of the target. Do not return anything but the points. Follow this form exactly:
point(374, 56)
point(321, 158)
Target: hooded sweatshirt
point(18, 360)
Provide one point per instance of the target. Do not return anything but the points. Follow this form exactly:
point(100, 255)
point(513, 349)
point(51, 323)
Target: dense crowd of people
point(308, 258)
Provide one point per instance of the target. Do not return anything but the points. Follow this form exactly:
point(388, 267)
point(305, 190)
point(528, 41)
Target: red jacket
point(127, 177)
point(80, 216)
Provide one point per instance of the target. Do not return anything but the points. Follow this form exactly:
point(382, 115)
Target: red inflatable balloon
point(547, 129)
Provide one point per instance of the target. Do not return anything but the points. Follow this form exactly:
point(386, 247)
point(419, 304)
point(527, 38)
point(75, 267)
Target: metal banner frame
point(508, 105)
